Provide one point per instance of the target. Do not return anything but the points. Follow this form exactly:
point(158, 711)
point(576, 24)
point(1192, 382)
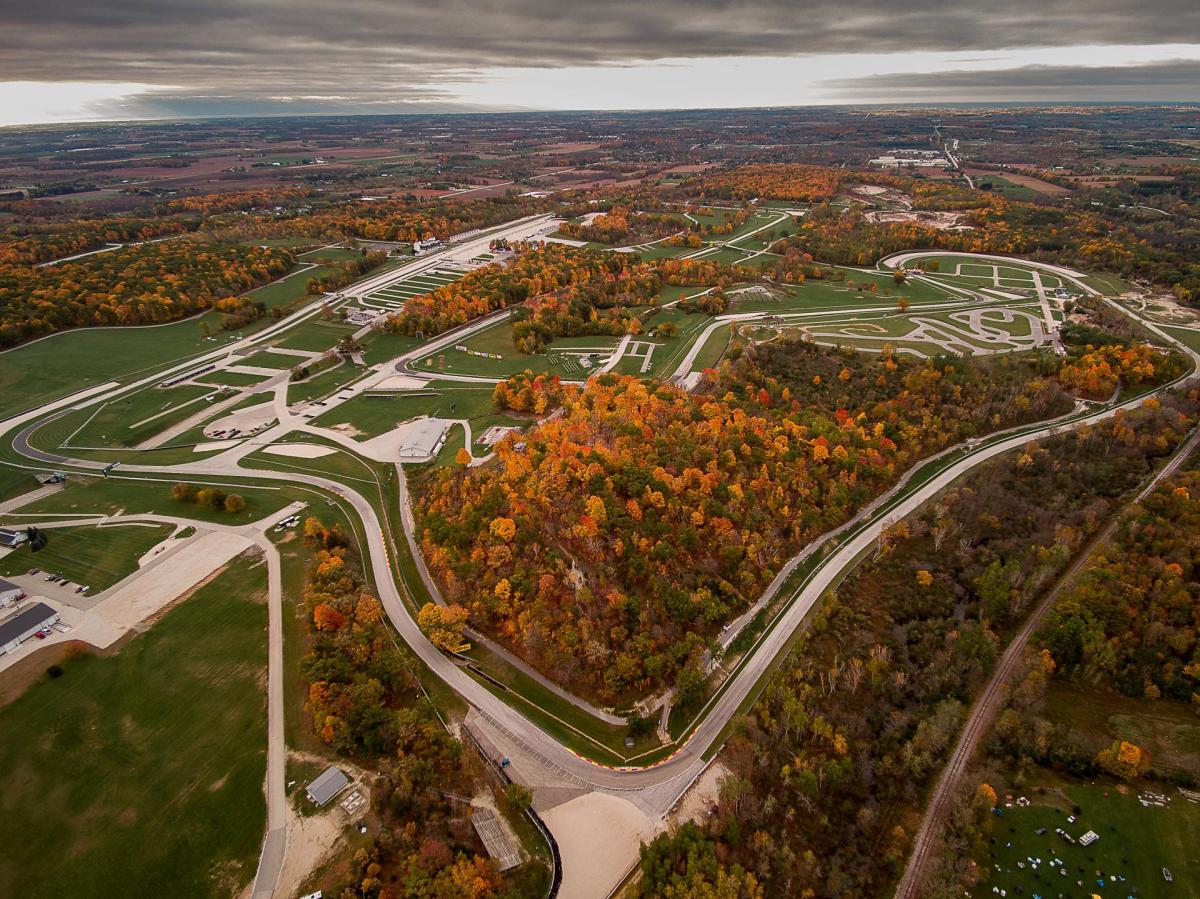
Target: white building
point(9, 593)
point(24, 623)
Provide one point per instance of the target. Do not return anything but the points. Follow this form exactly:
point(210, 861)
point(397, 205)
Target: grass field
point(141, 774)
point(314, 335)
point(221, 378)
point(325, 383)
point(116, 494)
point(267, 359)
point(98, 557)
point(133, 418)
point(713, 350)
point(1135, 843)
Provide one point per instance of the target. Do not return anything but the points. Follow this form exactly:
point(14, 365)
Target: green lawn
point(98, 557)
point(112, 495)
point(141, 774)
point(315, 335)
point(713, 350)
point(267, 359)
point(498, 340)
point(1135, 842)
point(223, 378)
point(291, 288)
point(376, 414)
point(133, 418)
point(331, 379)
point(383, 346)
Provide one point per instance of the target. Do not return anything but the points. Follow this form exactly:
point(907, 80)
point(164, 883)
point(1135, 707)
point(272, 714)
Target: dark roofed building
point(24, 623)
point(331, 782)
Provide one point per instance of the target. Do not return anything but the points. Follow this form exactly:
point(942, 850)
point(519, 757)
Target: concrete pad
point(401, 382)
point(299, 450)
point(214, 445)
point(145, 594)
point(599, 837)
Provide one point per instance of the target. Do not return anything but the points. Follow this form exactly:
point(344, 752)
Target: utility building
point(24, 623)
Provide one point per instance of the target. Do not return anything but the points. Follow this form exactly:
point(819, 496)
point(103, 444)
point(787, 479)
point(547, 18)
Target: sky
point(77, 60)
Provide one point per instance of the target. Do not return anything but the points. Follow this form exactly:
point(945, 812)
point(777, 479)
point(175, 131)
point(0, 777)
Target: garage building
point(331, 782)
point(24, 623)
point(9, 593)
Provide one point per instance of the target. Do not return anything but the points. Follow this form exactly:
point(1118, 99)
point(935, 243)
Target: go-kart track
point(550, 768)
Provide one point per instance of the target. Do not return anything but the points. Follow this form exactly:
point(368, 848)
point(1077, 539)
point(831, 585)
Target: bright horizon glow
point(44, 103)
point(730, 82)
point(682, 83)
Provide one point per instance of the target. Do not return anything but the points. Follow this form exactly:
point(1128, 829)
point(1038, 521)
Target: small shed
point(331, 782)
point(24, 623)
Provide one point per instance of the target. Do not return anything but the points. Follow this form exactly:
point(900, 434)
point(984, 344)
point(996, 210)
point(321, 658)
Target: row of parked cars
point(62, 581)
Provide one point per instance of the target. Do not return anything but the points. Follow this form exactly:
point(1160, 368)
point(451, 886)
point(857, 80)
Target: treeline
point(47, 242)
point(403, 220)
point(826, 774)
point(622, 225)
point(645, 517)
point(802, 183)
point(527, 392)
point(365, 702)
point(150, 283)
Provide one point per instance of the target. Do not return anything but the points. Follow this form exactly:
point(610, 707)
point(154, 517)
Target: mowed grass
point(131, 419)
point(1135, 843)
point(141, 774)
point(117, 494)
point(98, 557)
point(222, 378)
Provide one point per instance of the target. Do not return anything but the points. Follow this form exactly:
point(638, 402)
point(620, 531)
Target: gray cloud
point(1167, 81)
point(403, 50)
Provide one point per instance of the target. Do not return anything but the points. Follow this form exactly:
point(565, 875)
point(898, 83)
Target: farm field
point(149, 764)
point(97, 557)
point(1135, 844)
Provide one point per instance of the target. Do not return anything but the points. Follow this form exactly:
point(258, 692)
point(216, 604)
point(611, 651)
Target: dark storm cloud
point(400, 50)
point(1167, 81)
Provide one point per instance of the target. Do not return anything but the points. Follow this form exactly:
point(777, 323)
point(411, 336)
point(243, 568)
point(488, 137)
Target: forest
point(365, 702)
point(825, 775)
point(144, 284)
point(643, 517)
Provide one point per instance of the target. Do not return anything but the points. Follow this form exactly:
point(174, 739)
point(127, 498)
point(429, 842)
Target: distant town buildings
point(897, 159)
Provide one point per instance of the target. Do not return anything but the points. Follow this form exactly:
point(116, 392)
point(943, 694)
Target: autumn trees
point(209, 497)
point(527, 392)
point(1130, 621)
point(827, 771)
point(643, 517)
point(364, 701)
point(149, 283)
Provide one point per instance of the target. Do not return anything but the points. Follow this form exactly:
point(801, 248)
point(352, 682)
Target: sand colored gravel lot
point(599, 837)
point(155, 587)
point(298, 450)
